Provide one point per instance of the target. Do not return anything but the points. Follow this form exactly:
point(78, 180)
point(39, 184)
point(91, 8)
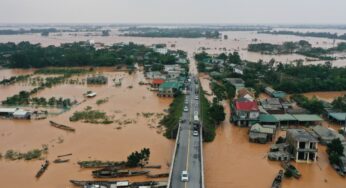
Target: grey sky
point(173, 11)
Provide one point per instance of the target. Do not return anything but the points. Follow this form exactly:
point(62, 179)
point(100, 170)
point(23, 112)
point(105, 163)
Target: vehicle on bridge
point(186, 109)
point(184, 176)
point(195, 133)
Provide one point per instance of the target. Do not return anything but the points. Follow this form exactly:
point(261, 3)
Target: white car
point(184, 176)
point(195, 133)
point(196, 98)
point(186, 109)
point(186, 102)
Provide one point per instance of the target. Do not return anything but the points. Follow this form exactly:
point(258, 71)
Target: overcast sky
point(174, 11)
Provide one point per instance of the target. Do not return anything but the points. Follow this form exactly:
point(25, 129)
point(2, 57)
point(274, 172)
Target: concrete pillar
point(307, 158)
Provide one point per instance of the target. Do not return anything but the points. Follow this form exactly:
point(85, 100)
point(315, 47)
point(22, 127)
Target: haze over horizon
point(174, 11)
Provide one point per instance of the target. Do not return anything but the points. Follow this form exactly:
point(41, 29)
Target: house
point(261, 134)
point(15, 113)
point(174, 67)
point(244, 112)
point(246, 93)
point(161, 50)
point(238, 69)
point(302, 145)
point(154, 75)
point(278, 152)
point(273, 93)
point(268, 119)
point(238, 83)
point(7, 112)
point(173, 74)
point(169, 89)
point(326, 135)
point(157, 82)
point(339, 117)
point(21, 114)
point(272, 106)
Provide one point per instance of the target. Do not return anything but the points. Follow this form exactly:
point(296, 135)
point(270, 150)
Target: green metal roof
point(168, 85)
point(307, 117)
point(284, 117)
point(340, 116)
point(279, 94)
point(267, 118)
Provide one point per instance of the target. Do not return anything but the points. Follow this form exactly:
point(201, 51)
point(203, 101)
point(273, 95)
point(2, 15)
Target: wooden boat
point(111, 184)
point(60, 126)
point(65, 155)
point(61, 160)
point(278, 180)
point(107, 184)
point(162, 175)
point(42, 169)
point(114, 173)
point(291, 169)
point(101, 164)
point(152, 166)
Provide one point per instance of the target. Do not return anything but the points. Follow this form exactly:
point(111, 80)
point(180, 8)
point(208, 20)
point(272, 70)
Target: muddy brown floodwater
point(230, 160)
point(90, 141)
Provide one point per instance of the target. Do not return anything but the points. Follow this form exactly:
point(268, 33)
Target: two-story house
point(302, 145)
point(244, 112)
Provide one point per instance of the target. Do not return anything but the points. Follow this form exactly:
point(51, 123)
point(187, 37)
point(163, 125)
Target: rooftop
point(307, 117)
point(246, 105)
point(260, 129)
point(158, 81)
point(267, 118)
point(340, 116)
point(301, 135)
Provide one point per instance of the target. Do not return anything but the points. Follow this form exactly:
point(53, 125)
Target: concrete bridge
point(188, 151)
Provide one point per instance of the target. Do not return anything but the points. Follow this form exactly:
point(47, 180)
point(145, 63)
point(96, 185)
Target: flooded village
point(260, 131)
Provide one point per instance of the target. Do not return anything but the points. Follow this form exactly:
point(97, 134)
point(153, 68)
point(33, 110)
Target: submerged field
point(130, 131)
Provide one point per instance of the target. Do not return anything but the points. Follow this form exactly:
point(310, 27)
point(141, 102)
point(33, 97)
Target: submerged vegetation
point(313, 105)
point(301, 47)
point(27, 55)
point(30, 155)
point(135, 159)
point(14, 79)
point(335, 151)
point(91, 116)
point(64, 71)
point(307, 34)
point(171, 32)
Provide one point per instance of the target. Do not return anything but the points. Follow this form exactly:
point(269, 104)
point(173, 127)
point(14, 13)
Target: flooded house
point(154, 75)
point(169, 89)
point(238, 83)
point(244, 112)
point(278, 152)
point(155, 83)
point(247, 93)
point(273, 93)
point(272, 106)
point(339, 117)
point(326, 135)
point(261, 134)
point(15, 113)
point(302, 145)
